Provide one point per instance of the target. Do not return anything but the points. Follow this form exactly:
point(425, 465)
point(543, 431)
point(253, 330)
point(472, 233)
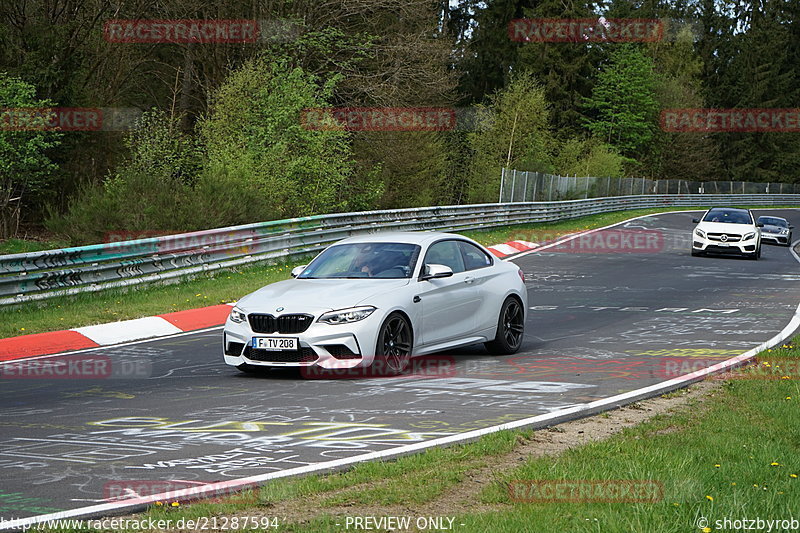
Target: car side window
point(474, 257)
point(446, 253)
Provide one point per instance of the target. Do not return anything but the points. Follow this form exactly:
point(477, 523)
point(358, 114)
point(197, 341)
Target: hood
point(721, 227)
point(769, 228)
point(316, 295)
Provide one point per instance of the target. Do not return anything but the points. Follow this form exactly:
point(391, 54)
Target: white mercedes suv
point(727, 230)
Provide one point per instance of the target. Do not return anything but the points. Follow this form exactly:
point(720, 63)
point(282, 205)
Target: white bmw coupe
point(383, 296)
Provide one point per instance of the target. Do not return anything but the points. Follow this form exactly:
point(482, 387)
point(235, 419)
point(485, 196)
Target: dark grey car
point(776, 229)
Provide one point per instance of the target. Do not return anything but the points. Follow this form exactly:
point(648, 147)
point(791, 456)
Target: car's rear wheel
point(395, 342)
point(510, 329)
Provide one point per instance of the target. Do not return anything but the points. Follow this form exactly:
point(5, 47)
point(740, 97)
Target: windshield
point(386, 260)
point(728, 216)
point(771, 221)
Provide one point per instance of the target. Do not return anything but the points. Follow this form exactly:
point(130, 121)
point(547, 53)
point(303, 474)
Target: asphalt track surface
point(601, 322)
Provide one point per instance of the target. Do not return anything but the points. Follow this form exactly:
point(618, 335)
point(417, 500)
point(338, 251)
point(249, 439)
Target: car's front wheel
point(696, 253)
point(510, 328)
point(395, 341)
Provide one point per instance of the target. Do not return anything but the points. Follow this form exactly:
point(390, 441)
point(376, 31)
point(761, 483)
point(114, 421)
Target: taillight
point(521, 275)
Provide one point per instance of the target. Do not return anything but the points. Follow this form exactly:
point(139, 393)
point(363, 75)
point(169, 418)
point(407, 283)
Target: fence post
point(525, 189)
point(535, 182)
point(513, 183)
point(551, 187)
point(502, 182)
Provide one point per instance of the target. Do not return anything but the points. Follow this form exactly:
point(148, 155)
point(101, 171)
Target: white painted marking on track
point(128, 330)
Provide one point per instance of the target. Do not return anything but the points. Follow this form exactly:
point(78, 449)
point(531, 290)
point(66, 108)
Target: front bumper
point(775, 237)
point(703, 244)
point(323, 345)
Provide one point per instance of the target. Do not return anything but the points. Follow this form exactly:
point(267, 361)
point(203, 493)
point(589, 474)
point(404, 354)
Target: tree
point(565, 69)
point(25, 168)
point(513, 132)
point(255, 134)
point(623, 104)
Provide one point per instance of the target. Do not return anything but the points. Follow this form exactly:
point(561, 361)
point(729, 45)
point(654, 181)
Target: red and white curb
point(112, 333)
point(512, 248)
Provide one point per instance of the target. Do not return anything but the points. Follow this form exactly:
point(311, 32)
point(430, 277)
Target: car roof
point(407, 237)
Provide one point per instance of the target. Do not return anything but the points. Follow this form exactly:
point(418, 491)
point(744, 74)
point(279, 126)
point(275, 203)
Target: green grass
point(19, 246)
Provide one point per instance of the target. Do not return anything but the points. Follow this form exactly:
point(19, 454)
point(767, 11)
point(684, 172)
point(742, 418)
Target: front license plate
point(724, 244)
point(275, 344)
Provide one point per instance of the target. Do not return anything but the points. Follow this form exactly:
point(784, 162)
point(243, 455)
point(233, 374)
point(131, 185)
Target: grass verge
point(727, 453)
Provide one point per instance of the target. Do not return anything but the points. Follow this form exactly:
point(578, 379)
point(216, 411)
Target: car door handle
point(469, 279)
point(417, 299)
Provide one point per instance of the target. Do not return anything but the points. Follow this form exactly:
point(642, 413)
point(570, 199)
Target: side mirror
point(434, 271)
point(296, 271)
point(696, 220)
point(759, 224)
point(791, 227)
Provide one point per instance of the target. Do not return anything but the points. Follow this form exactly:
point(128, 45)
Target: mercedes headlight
point(749, 236)
point(237, 315)
point(700, 233)
point(346, 316)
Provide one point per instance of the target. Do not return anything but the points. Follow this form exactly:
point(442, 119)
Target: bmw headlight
point(749, 236)
point(700, 233)
point(237, 315)
point(346, 316)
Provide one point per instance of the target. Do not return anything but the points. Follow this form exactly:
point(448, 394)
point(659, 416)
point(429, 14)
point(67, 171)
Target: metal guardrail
point(40, 275)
